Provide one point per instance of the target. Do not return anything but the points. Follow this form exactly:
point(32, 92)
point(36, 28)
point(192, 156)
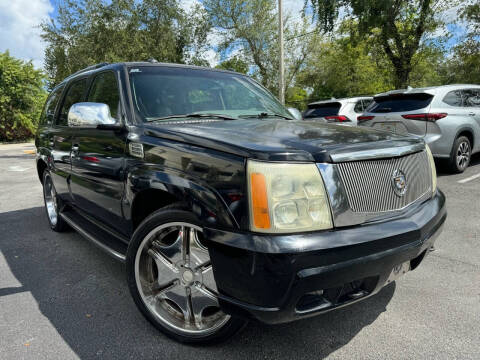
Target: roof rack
point(88, 68)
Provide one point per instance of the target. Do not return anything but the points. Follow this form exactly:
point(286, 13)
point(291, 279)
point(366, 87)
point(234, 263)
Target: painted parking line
point(470, 178)
point(32, 152)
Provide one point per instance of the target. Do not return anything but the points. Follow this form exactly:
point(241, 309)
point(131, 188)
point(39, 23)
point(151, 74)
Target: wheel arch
point(151, 188)
point(468, 133)
point(41, 167)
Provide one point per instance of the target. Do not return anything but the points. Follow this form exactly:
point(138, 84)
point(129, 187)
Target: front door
point(98, 160)
point(60, 139)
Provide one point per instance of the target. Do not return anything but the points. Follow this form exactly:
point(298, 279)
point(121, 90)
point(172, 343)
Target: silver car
point(342, 111)
point(447, 117)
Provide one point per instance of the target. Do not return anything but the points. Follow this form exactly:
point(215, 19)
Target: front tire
point(461, 154)
point(171, 279)
point(52, 204)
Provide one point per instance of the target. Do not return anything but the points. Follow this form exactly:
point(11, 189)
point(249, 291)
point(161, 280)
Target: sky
point(19, 32)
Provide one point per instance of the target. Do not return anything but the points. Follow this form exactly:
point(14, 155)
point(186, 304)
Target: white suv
point(447, 117)
point(342, 111)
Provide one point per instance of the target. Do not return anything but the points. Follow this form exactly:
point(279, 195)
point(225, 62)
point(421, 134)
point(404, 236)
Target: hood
point(286, 140)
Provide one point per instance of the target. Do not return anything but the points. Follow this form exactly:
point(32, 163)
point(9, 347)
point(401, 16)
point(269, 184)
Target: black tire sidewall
point(453, 156)
point(61, 225)
point(166, 215)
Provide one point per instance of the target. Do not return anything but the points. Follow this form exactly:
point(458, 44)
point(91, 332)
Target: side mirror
point(90, 114)
point(295, 113)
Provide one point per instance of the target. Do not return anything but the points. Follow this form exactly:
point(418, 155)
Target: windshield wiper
point(265, 115)
point(193, 115)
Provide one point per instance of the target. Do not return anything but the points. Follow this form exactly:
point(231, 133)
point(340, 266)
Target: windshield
point(165, 92)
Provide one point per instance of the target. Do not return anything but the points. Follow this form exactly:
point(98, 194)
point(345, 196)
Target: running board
point(81, 225)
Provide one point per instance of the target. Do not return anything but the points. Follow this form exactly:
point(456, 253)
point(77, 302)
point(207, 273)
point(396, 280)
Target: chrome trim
point(175, 280)
point(344, 214)
point(368, 184)
point(136, 149)
point(372, 151)
point(90, 114)
point(89, 237)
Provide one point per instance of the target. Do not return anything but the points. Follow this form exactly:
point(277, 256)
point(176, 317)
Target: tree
point(86, 32)
point(464, 64)
point(249, 27)
point(235, 63)
point(397, 25)
point(21, 98)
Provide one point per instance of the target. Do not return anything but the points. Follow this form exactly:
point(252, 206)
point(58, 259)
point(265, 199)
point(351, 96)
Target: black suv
point(223, 206)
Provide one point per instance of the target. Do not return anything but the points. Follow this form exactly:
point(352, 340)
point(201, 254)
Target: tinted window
point(321, 110)
point(166, 91)
point(359, 107)
point(471, 97)
point(105, 90)
point(400, 102)
point(453, 98)
point(74, 95)
point(48, 112)
point(366, 104)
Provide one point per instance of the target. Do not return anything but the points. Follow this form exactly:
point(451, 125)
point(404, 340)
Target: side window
point(48, 113)
point(453, 98)
point(74, 95)
point(359, 107)
point(471, 97)
point(366, 104)
point(105, 90)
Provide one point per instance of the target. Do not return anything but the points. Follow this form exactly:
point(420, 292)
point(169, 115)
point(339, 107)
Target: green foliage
point(397, 26)
point(296, 97)
point(235, 63)
point(252, 27)
point(94, 31)
point(464, 64)
point(21, 98)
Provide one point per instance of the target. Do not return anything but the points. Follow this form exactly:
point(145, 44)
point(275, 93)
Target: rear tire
point(52, 204)
point(170, 278)
point(461, 155)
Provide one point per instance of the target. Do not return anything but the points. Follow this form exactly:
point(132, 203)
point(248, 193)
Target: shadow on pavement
point(84, 295)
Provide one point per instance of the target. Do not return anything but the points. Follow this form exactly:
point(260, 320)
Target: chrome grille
point(369, 183)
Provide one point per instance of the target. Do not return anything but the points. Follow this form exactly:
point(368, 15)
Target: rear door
point(400, 113)
point(98, 159)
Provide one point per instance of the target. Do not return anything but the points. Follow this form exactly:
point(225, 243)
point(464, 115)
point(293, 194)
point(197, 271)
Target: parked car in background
point(447, 117)
point(344, 111)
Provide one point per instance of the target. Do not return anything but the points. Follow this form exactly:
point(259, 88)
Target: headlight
point(432, 167)
point(287, 198)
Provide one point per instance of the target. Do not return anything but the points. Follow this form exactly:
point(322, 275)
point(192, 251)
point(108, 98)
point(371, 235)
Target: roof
point(103, 66)
point(429, 89)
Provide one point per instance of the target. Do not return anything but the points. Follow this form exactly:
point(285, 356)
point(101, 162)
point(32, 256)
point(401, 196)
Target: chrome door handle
point(471, 114)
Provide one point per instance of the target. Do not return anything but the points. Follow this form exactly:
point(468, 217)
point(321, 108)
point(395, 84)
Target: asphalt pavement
point(63, 298)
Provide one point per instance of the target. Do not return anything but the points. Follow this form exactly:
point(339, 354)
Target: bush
point(21, 98)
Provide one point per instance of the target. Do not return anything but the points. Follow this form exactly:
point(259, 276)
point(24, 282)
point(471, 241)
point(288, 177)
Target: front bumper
point(281, 278)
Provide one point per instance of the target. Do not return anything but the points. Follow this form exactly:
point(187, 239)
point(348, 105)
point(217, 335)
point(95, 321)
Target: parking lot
point(62, 298)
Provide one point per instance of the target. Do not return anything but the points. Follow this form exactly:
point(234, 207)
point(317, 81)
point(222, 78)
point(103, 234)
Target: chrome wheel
point(463, 154)
point(50, 200)
point(175, 280)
